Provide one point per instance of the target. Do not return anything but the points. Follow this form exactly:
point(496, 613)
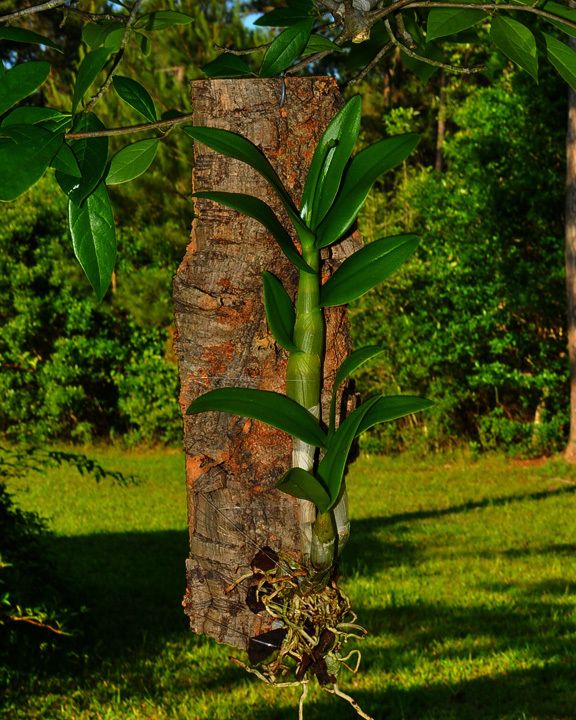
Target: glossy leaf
point(333, 464)
point(517, 42)
point(564, 12)
point(132, 161)
point(449, 21)
point(145, 44)
point(94, 238)
point(302, 484)
point(259, 210)
point(392, 407)
point(563, 58)
point(329, 161)
point(286, 48)
point(90, 67)
point(269, 407)
point(32, 114)
point(25, 153)
point(162, 19)
point(92, 157)
point(362, 173)
point(367, 268)
point(20, 81)
point(319, 43)
point(297, 11)
point(136, 96)
point(280, 313)
point(355, 360)
point(65, 161)
point(95, 35)
point(238, 147)
point(421, 69)
point(227, 65)
point(20, 35)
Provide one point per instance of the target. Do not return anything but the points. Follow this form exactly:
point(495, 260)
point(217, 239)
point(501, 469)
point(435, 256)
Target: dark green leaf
point(351, 363)
point(297, 11)
point(362, 172)
point(280, 313)
point(89, 69)
point(302, 484)
point(94, 238)
point(92, 157)
point(25, 153)
point(238, 147)
point(257, 209)
point(31, 115)
point(65, 161)
point(286, 48)
point(330, 158)
point(136, 96)
point(145, 44)
point(20, 81)
point(390, 408)
point(367, 268)
point(563, 58)
point(132, 161)
point(162, 19)
point(97, 34)
point(319, 43)
point(333, 464)
point(20, 35)
point(269, 407)
point(227, 65)
point(517, 42)
point(562, 11)
point(449, 21)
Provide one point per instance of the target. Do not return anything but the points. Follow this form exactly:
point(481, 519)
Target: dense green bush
point(73, 369)
point(477, 320)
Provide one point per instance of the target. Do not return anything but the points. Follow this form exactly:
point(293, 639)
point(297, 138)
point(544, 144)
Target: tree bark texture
point(222, 340)
point(570, 250)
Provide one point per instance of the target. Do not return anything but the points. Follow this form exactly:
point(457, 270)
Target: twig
point(117, 58)
point(371, 65)
point(97, 16)
point(32, 10)
point(109, 132)
point(429, 61)
point(235, 51)
point(37, 623)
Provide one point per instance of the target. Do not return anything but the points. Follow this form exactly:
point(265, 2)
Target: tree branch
point(371, 65)
point(32, 10)
point(109, 132)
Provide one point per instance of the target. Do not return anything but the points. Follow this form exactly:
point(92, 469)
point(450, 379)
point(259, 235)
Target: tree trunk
point(570, 249)
point(233, 464)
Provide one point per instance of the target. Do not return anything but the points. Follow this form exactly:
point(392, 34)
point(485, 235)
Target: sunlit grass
point(465, 574)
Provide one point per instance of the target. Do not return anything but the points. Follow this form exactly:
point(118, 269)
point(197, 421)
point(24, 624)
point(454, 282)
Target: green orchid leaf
point(20, 81)
point(297, 11)
point(269, 407)
point(333, 464)
point(563, 59)
point(94, 238)
point(227, 66)
point(96, 35)
point(20, 35)
point(392, 407)
point(362, 173)
point(132, 161)
point(92, 157)
point(25, 153)
point(286, 48)
point(329, 161)
point(65, 161)
point(90, 67)
point(259, 210)
point(367, 268)
point(238, 147)
point(301, 484)
point(517, 42)
point(280, 313)
point(136, 96)
point(355, 360)
point(162, 19)
point(32, 115)
point(449, 21)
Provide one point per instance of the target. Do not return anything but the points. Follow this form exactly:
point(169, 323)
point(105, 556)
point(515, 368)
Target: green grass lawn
point(464, 572)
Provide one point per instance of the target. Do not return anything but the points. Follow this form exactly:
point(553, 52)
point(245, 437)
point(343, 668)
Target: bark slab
point(222, 340)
